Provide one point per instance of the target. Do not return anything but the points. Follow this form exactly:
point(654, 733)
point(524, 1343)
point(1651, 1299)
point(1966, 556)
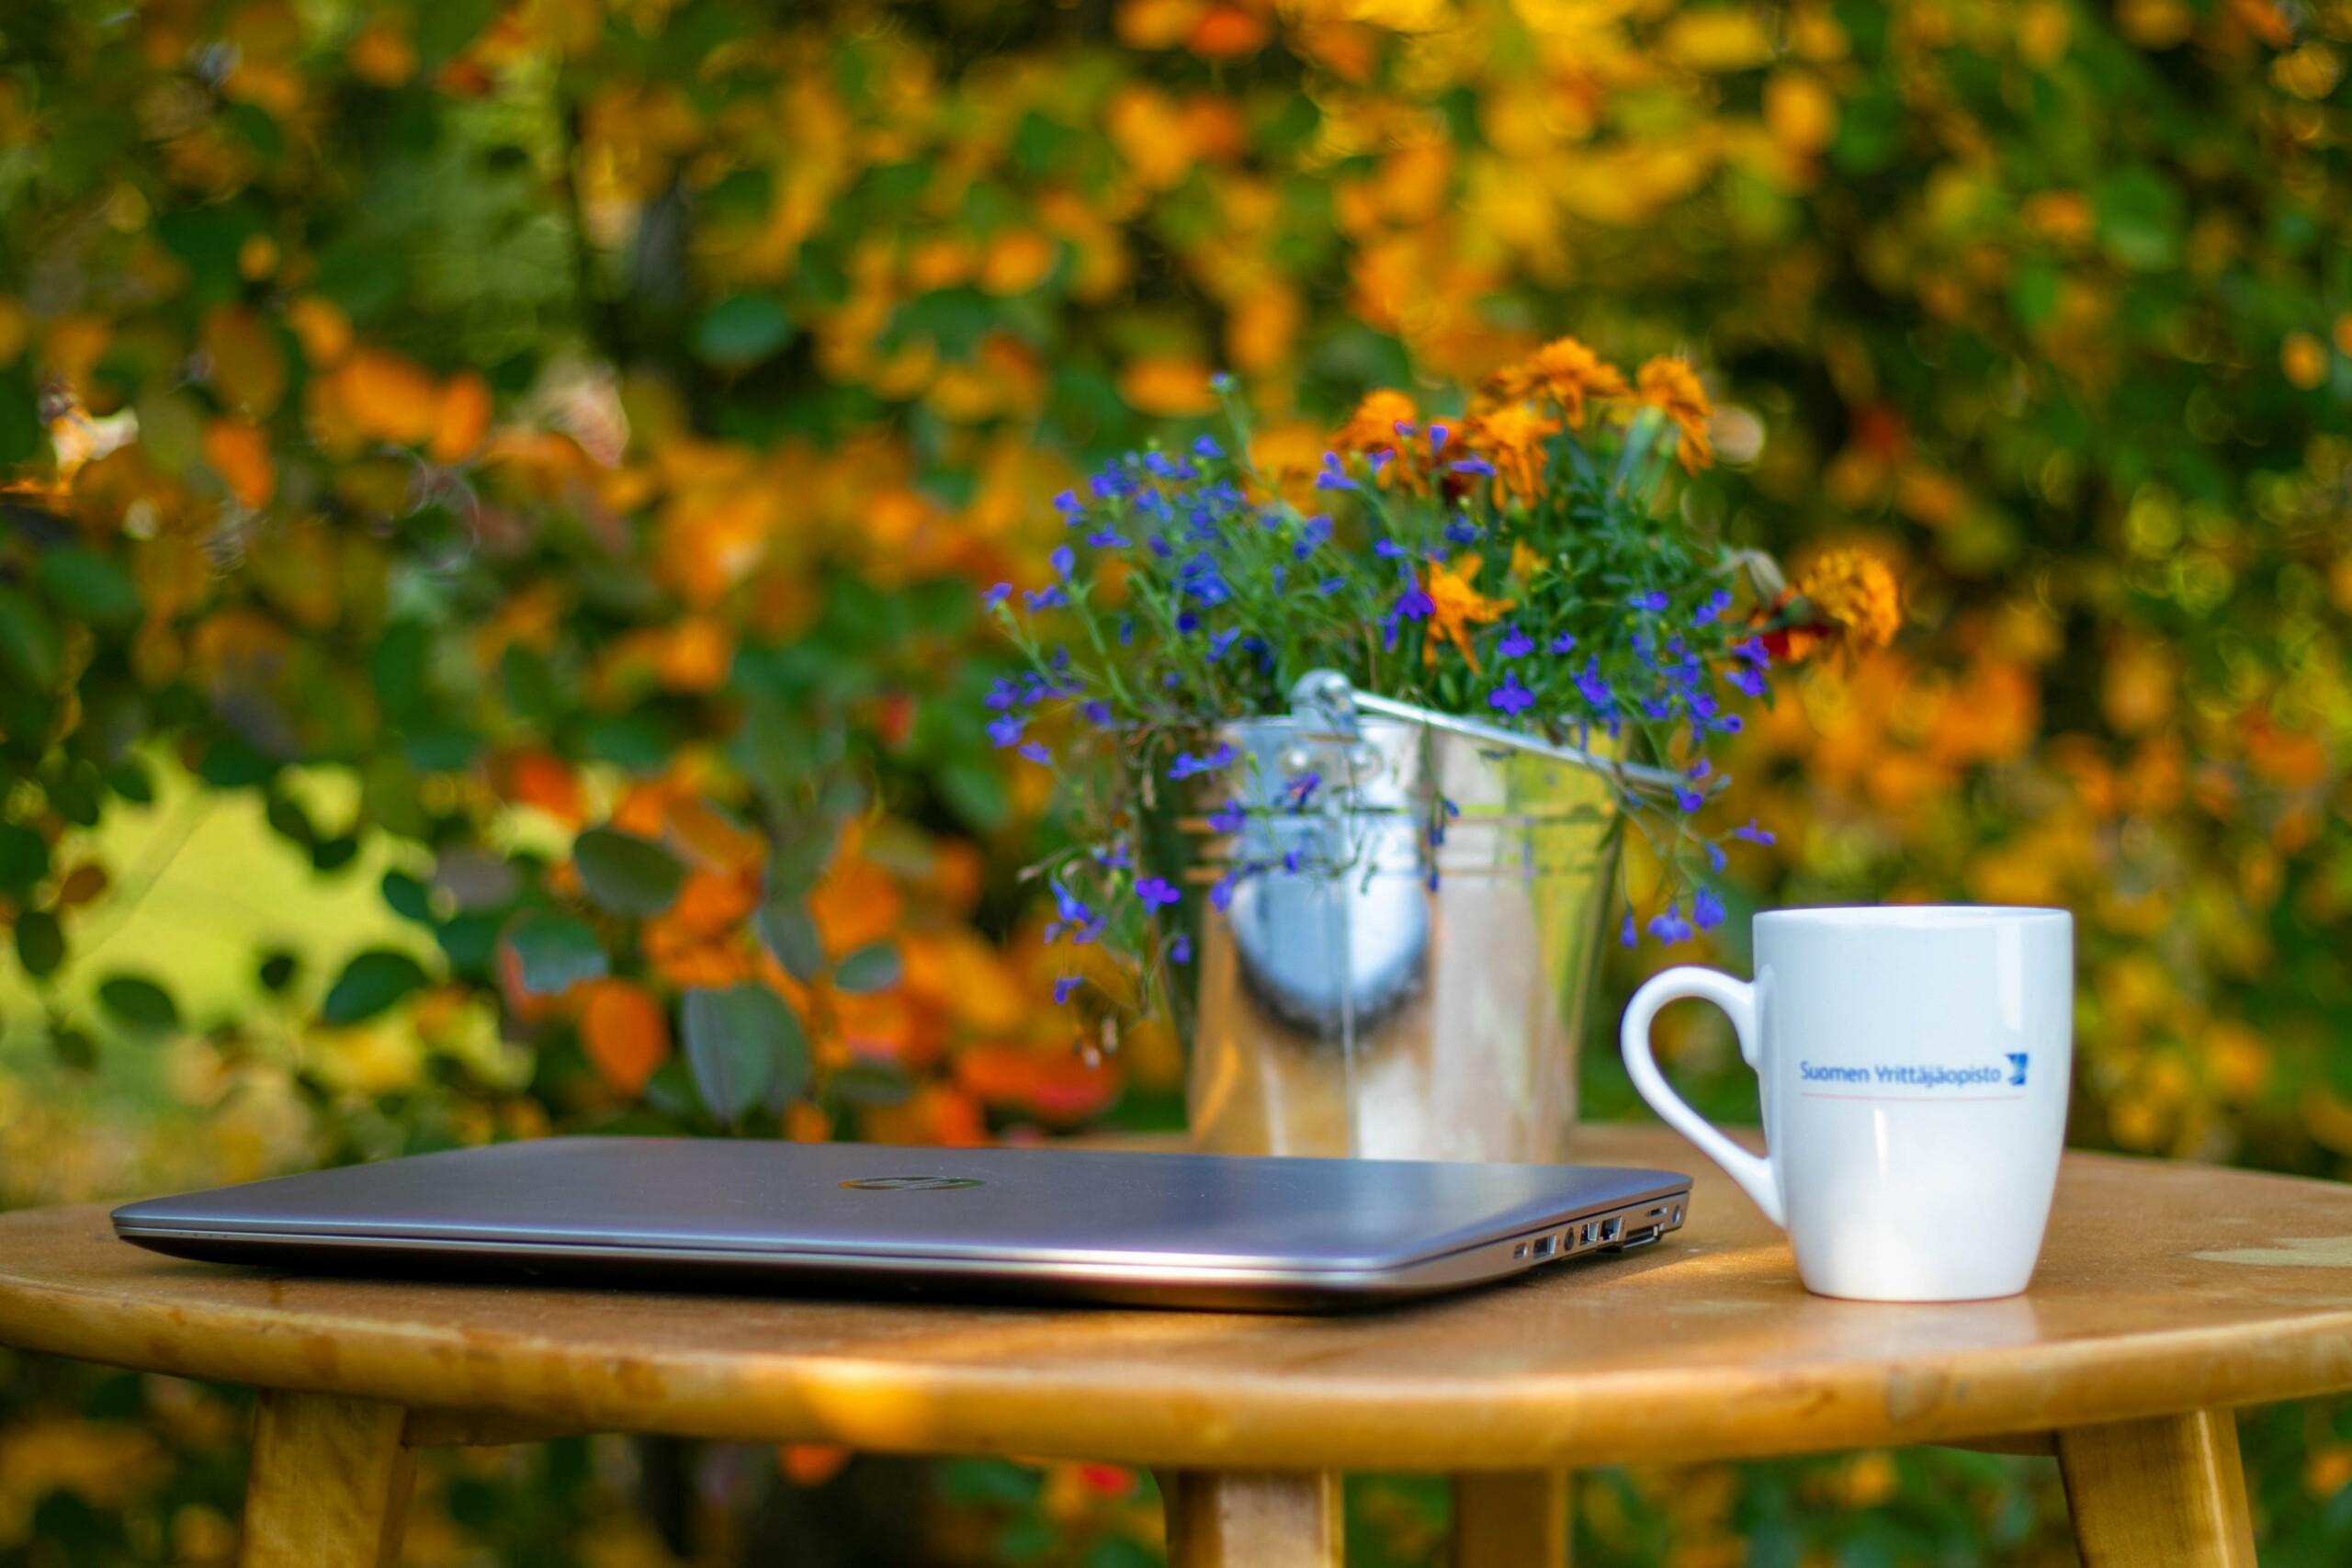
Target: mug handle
point(1738, 998)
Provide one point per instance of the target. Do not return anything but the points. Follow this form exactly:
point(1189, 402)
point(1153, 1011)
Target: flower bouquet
point(1360, 746)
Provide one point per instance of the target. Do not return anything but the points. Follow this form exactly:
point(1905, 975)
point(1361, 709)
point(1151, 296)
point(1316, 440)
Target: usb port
point(1584, 1236)
point(1519, 1251)
point(1544, 1246)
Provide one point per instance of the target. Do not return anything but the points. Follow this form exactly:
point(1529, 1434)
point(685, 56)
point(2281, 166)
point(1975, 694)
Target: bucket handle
point(1328, 695)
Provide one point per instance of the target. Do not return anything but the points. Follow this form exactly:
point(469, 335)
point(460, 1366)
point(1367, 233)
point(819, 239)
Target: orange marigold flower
point(1673, 387)
point(1850, 603)
point(1512, 437)
point(1564, 371)
point(1372, 427)
point(1457, 606)
point(1371, 431)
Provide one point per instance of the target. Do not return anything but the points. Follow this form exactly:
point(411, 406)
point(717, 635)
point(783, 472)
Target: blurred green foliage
point(441, 432)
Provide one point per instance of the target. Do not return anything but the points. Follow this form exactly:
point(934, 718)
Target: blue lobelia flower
point(1706, 910)
point(1715, 860)
point(1668, 926)
point(1564, 643)
point(1439, 436)
point(1332, 476)
point(1181, 950)
point(1035, 752)
point(997, 596)
point(1461, 531)
point(1068, 905)
point(1097, 713)
point(1389, 550)
point(1006, 731)
point(1107, 539)
point(1472, 465)
point(1186, 765)
point(1002, 695)
point(1229, 817)
point(1512, 698)
point(1652, 603)
point(1414, 604)
point(1206, 448)
point(1717, 602)
point(1515, 644)
point(1745, 678)
point(1064, 559)
point(1070, 506)
point(1625, 934)
point(1754, 834)
point(1047, 598)
point(1064, 986)
point(1158, 892)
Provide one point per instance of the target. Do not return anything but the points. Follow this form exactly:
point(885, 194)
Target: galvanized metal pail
point(1411, 923)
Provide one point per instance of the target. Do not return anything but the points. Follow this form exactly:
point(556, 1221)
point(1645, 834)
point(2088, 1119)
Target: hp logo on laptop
point(911, 1183)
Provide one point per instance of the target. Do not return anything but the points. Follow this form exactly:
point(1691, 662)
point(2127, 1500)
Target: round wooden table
point(2167, 1293)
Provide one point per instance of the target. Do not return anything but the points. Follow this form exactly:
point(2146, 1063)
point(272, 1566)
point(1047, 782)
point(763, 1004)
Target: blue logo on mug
point(2016, 1067)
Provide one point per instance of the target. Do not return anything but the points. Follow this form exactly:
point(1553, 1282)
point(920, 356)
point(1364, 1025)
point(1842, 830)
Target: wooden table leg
point(329, 1484)
point(1510, 1518)
point(1252, 1519)
point(2167, 1493)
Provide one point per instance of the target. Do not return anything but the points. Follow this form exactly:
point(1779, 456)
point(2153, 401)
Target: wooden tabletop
point(2163, 1287)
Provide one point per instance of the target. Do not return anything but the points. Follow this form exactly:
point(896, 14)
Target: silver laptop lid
point(998, 1205)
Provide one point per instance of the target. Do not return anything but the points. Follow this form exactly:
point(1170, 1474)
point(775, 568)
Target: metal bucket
point(1403, 966)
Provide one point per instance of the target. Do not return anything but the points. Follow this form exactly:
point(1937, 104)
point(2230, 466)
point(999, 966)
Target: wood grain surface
point(329, 1484)
point(2167, 1491)
point(2164, 1288)
point(1264, 1518)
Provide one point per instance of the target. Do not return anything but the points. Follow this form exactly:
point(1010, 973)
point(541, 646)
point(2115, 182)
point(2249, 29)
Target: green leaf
point(89, 586)
point(371, 982)
point(744, 1048)
point(40, 942)
point(278, 971)
point(24, 856)
point(555, 951)
point(2141, 217)
point(73, 1048)
point(138, 1002)
point(869, 1083)
point(872, 967)
point(741, 332)
point(784, 924)
point(22, 438)
point(29, 647)
point(626, 874)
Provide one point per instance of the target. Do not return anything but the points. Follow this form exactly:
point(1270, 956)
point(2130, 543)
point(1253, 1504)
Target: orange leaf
point(810, 1464)
point(464, 418)
point(624, 1031)
point(387, 396)
point(240, 455)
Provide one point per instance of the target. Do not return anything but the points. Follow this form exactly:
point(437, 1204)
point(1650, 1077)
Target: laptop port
point(1585, 1235)
point(1609, 1229)
point(1519, 1252)
point(1543, 1245)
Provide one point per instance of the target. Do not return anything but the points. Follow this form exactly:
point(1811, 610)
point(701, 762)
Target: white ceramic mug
point(1914, 1063)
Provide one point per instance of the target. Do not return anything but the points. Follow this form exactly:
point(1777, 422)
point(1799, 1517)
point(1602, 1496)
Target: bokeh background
point(434, 430)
